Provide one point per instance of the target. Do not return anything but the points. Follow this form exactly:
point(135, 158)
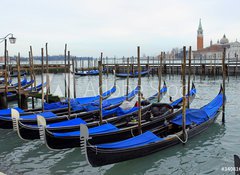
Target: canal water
point(208, 153)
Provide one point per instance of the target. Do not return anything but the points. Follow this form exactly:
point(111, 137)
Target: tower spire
point(200, 36)
point(200, 30)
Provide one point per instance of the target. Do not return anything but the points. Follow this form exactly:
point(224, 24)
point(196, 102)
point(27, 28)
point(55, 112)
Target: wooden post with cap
point(184, 94)
point(224, 78)
point(127, 77)
point(69, 73)
point(100, 88)
point(159, 76)
point(42, 53)
point(65, 70)
point(189, 74)
point(139, 92)
point(19, 81)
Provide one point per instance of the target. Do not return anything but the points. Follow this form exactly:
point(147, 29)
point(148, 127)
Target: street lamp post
point(12, 40)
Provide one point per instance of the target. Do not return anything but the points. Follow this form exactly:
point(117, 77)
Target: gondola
point(86, 73)
point(133, 75)
point(28, 129)
point(154, 140)
point(61, 107)
point(78, 101)
point(122, 128)
point(85, 111)
point(237, 164)
point(16, 74)
point(6, 120)
point(23, 83)
point(13, 96)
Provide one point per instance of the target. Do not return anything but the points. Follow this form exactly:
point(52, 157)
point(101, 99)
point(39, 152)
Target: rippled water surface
point(207, 153)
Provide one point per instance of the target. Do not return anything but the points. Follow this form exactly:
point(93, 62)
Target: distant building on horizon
point(215, 51)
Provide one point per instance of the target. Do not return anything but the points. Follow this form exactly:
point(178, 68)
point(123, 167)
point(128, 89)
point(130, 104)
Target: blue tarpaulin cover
point(106, 103)
point(140, 140)
point(77, 101)
point(72, 122)
point(198, 116)
point(7, 112)
point(163, 90)
point(34, 116)
point(176, 102)
point(95, 130)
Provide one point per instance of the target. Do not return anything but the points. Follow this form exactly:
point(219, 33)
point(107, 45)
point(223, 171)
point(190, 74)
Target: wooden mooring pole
point(184, 94)
point(42, 53)
point(100, 88)
point(224, 77)
point(139, 93)
point(189, 74)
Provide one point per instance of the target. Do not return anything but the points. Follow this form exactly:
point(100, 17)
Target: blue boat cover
point(106, 103)
point(212, 107)
point(133, 93)
point(34, 116)
point(108, 93)
point(193, 116)
point(176, 102)
point(140, 140)
point(198, 116)
point(119, 111)
point(77, 101)
point(106, 128)
point(23, 82)
point(163, 90)
point(72, 122)
point(7, 112)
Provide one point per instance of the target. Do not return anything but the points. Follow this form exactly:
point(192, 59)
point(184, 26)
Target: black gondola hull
point(100, 157)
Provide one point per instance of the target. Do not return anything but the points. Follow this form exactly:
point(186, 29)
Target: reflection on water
point(204, 154)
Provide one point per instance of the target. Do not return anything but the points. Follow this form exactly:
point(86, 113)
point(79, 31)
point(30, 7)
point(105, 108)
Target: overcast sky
point(115, 27)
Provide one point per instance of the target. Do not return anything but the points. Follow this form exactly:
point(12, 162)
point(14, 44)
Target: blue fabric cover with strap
point(7, 112)
point(196, 116)
point(34, 116)
point(163, 90)
point(106, 103)
point(199, 116)
point(66, 123)
point(106, 128)
point(140, 140)
point(178, 101)
point(77, 101)
point(23, 82)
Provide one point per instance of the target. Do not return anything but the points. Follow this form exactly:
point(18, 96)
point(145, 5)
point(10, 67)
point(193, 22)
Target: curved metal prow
point(15, 120)
point(15, 117)
point(41, 125)
point(84, 136)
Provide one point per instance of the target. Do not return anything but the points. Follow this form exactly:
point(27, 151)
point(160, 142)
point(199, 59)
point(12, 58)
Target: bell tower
point(200, 36)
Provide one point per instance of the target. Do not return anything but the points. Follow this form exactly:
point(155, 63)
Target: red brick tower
point(200, 36)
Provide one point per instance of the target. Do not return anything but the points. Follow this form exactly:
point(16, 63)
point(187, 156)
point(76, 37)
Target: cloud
point(112, 26)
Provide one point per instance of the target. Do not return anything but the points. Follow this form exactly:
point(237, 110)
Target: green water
point(207, 153)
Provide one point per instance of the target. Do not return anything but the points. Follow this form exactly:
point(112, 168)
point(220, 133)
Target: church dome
point(224, 40)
